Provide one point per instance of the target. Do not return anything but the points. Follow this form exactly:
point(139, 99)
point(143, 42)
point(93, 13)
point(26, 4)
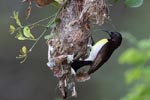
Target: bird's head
point(115, 37)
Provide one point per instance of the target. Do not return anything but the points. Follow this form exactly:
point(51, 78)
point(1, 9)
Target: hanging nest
point(70, 39)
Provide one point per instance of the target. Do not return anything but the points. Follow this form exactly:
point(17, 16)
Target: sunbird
point(100, 53)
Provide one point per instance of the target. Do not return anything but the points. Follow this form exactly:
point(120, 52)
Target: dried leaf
point(28, 12)
point(43, 2)
point(24, 0)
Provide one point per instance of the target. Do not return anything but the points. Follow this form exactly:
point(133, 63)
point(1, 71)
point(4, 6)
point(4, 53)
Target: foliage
point(138, 56)
point(132, 3)
point(23, 54)
point(24, 32)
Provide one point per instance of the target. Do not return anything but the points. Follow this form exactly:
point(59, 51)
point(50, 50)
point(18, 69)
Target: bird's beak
point(109, 33)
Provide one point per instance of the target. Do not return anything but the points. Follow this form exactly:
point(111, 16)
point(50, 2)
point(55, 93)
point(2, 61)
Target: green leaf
point(16, 17)
point(54, 23)
point(12, 29)
point(27, 32)
point(23, 54)
point(132, 75)
point(60, 1)
point(20, 56)
point(132, 56)
point(22, 38)
point(133, 3)
point(48, 36)
point(146, 74)
point(144, 44)
point(55, 4)
point(57, 20)
point(19, 36)
point(148, 54)
point(24, 49)
point(138, 92)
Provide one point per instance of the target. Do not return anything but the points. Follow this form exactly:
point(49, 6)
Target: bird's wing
point(101, 58)
point(95, 49)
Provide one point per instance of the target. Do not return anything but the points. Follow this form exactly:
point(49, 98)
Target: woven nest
point(71, 38)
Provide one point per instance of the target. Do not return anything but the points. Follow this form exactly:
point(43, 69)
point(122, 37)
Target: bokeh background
point(33, 80)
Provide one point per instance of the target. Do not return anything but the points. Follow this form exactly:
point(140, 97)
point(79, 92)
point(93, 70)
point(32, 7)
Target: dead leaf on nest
point(28, 12)
point(40, 3)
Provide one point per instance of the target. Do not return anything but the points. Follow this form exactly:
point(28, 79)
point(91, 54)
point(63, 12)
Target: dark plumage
point(105, 51)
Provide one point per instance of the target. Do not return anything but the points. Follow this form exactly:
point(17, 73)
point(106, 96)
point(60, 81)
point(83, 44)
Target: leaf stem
point(41, 20)
point(36, 23)
point(47, 26)
point(56, 15)
point(39, 36)
point(38, 40)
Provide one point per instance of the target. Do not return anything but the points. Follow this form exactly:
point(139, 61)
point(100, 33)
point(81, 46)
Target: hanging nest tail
point(71, 38)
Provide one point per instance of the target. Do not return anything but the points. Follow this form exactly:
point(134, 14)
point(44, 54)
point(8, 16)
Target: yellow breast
point(102, 41)
point(96, 48)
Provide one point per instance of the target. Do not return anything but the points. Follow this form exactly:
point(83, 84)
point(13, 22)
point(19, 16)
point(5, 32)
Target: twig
point(41, 20)
point(38, 39)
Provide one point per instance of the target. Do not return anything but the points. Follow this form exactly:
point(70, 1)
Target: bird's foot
point(82, 77)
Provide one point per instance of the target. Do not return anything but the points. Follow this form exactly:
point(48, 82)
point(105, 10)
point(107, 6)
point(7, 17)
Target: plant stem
point(38, 40)
point(57, 13)
point(48, 25)
point(41, 20)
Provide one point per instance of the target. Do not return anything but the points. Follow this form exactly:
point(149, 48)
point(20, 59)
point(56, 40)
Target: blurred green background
point(33, 80)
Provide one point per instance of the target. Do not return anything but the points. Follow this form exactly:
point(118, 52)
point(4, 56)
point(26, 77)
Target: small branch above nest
point(70, 40)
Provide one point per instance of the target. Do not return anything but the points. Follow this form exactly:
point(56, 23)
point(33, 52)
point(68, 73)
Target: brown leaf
point(24, 0)
point(43, 2)
point(28, 12)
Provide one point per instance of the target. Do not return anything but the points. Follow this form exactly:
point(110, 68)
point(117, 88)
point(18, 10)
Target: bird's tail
point(79, 64)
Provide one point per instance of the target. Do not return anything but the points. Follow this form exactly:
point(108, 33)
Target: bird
point(100, 52)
